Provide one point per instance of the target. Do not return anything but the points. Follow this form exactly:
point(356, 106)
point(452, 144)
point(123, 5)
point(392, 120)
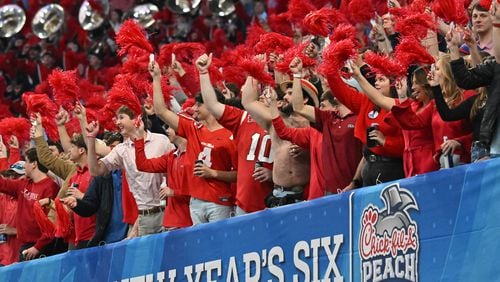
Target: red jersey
point(254, 145)
point(84, 226)
point(310, 139)
point(217, 151)
point(340, 149)
point(177, 213)
point(27, 192)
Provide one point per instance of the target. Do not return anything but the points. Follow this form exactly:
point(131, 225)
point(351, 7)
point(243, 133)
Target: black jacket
point(484, 75)
point(97, 200)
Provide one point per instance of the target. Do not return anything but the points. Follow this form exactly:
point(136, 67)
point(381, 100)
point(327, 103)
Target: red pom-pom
point(361, 10)
point(255, 69)
point(234, 74)
point(409, 51)
point(186, 52)
point(384, 65)
point(64, 226)
point(415, 25)
point(321, 22)
point(106, 118)
point(132, 39)
point(344, 31)
point(486, 4)
point(254, 32)
point(165, 56)
point(19, 127)
point(273, 42)
point(298, 10)
point(47, 227)
point(121, 94)
point(65, 88)
point(335, 56)
point(279, 23)
point(41, 103)
point(290, 54)
point(451, 11)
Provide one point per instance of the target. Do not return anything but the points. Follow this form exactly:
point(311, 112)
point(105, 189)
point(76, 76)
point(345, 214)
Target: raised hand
point(203, 62)
point(92, 129)
point(13, 142)
point(296, 65)
point(80, 111)
point(62, 117)
point(154, 69)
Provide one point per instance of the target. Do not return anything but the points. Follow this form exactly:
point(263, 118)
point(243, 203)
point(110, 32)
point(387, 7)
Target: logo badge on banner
point(389, 241)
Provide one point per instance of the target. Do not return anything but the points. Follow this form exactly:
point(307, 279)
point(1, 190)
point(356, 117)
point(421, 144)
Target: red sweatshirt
point(310, 139)
point(27, 192)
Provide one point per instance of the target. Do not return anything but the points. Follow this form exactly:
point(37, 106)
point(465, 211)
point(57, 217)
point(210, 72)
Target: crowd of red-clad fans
point(124, 131)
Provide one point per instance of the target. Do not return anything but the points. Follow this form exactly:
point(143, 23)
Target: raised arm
point(62, 118)
point(207, 90)
point(298, 136)
point(159, 105)
point(250, 100)
point(58, 166)
point(96, 168)
point(371, 92)
point(81, 114)
point(306, 111)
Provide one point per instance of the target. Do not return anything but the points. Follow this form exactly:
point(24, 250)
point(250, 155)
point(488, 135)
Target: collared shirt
point(144, 186)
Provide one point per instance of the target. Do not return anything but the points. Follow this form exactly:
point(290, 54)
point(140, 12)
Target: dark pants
point(376, 172)
point(57, 246)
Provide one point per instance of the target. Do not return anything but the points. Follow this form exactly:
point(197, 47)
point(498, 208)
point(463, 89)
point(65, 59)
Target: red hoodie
point(27, 192)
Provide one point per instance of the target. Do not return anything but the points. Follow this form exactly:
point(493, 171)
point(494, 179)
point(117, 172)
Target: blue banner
point(441, 226)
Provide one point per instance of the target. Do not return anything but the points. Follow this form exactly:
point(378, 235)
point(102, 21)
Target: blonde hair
point(451, 92)
point(479, 102)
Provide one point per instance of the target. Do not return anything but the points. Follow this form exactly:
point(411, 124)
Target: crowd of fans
point(210, 117)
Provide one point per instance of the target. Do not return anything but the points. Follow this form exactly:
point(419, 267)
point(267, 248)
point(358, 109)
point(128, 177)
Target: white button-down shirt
point(144, 186)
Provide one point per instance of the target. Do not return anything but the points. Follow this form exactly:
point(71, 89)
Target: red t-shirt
point(84, 226)
point(27, 192)
point(310, 139)
point(217, 151)
point(341, 150)
point(177, 213)
point(254, 144)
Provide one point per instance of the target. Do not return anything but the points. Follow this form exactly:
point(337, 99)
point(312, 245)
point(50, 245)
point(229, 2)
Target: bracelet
point(297, 75)
point(205, 72)
point(496, 24)
point(381, 40)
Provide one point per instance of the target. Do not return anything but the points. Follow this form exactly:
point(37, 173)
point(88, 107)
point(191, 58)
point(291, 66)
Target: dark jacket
point(484, 75)
point(98, 199)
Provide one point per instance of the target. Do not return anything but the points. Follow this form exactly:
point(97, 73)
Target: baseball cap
point(18, 167)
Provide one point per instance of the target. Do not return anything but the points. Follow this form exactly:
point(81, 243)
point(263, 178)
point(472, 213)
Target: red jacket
point(367, 114)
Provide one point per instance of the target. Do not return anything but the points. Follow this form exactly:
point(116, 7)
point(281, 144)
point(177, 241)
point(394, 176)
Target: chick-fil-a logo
point(388, 243)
